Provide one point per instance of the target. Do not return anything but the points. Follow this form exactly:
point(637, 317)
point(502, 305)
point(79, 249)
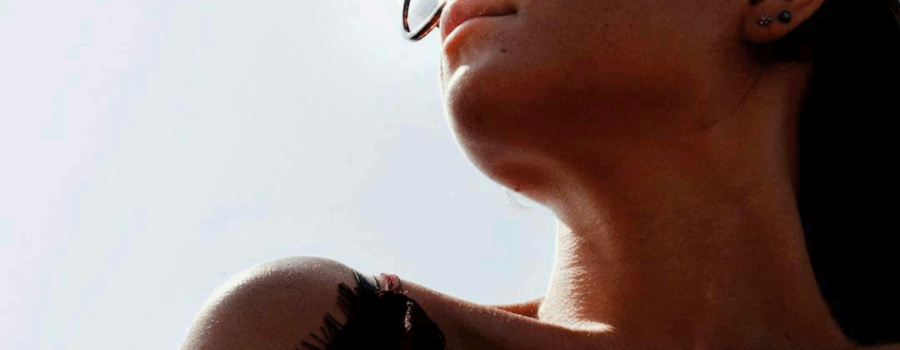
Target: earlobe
point(767, 21)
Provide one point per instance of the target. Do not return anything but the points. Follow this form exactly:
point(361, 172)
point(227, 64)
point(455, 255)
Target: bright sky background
point(151, 149)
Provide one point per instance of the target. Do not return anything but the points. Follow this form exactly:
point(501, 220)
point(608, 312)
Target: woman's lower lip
point(470, 25)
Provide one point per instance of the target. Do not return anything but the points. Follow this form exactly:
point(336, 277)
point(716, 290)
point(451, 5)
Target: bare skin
point(667, 154)
point(278, 304)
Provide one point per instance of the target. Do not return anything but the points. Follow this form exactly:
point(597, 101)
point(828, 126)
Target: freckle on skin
point(503, 50)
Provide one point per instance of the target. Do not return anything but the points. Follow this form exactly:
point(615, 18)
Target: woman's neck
point(730, 283)
point(690, 240)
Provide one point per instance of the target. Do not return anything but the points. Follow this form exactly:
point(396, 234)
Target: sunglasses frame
point(426, 27)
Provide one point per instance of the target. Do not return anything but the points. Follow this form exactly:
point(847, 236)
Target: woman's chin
point(478, 108)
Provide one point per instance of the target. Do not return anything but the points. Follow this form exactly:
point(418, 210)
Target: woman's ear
point(768, 20)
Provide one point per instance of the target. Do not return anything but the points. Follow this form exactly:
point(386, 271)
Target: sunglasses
point(420, 17)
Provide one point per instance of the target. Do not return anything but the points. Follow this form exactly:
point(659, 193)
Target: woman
point(717, 168)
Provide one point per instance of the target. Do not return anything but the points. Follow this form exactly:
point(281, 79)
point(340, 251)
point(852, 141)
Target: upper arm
point(270, 306)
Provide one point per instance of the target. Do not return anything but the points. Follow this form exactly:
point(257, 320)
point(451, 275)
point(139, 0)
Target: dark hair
point(845, 153)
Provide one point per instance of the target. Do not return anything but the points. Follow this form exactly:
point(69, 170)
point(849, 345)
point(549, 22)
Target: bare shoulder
point(270, 306)
point(526, 308)
point(474, 326)
point(278, 304)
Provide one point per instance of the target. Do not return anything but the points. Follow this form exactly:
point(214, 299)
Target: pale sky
point(152, 149)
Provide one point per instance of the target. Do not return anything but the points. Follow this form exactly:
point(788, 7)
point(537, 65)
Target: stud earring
point(784, 16)
point(764, 20)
